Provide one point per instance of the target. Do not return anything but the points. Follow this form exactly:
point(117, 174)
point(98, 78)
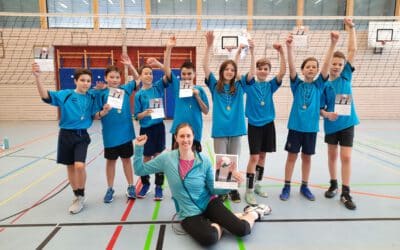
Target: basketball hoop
point(380, 46)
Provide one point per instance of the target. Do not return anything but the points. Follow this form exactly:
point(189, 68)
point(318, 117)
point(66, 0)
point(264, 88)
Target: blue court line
point(378, 158)
point(26, 165)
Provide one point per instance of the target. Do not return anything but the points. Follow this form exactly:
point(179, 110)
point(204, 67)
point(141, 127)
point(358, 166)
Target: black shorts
point(304, 140)
point(72, 146)
point(196, 144)
point(155, 139)
point(261, 139)
point(124, 151)
point(343, 137)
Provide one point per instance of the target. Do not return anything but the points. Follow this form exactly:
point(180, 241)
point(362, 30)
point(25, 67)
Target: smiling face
point(229, 73)
point(146, 76)
point(184, 137)
point(113, 79)
point(187, 74)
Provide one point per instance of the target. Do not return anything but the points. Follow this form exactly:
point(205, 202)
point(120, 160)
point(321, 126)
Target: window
point(70, 7)
point(114, 7)
point(30, 6)
point(372, 8)
point(222, 8)
point(274, 8)
point(173, 7)
point(324, 8)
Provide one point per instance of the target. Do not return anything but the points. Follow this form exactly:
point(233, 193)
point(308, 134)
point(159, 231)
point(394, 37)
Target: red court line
point(355, 192)
point(125, 215)
point(48, 194)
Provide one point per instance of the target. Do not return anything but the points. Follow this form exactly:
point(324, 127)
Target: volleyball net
point(25, 37)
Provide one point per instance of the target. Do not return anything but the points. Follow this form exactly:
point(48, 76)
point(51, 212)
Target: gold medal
point(228, 107)
point(262, 103)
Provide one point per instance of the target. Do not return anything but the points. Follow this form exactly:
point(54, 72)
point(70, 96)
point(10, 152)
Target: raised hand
point(251, 45)
point(171, 42)
point(289, 41)
point(277, 46)
point(36, 69)
point(349, 22)
point(153, 62)
point(141, 140)
point(210, 38)
point(334, 36)
point(126, 60)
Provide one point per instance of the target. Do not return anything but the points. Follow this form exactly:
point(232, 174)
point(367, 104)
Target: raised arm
point(282, 62)
point(36, 72)
point(352, 43)
point(252, 70)
point(154, 63)
point(167, 57)
point(329, 54)
point(125, 60)
point(289, 47)
point(209, 45)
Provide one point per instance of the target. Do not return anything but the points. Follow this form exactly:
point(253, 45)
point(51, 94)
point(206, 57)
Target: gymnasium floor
point(29, 176)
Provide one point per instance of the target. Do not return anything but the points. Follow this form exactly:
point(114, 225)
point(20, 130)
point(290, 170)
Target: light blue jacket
point(191, 195)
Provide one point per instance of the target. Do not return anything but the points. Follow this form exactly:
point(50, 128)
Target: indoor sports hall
point(64, 35)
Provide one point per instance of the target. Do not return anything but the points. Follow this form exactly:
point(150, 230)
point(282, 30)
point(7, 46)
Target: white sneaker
point(259, 191)
point(77, 204)
point(260, 209)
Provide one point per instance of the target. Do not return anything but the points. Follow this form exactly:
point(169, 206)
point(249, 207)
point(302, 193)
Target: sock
point(259, 172)
point(80, 192)
point(145, 179)
point(287, 183)
point(216, 175)
point(334, 183)
point(76, 192)
point(250, 181)
point(304, 183)
point(345, 189)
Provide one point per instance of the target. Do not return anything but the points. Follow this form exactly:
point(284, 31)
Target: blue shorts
point(155, 139)
point(304, 140)
point(72, 146)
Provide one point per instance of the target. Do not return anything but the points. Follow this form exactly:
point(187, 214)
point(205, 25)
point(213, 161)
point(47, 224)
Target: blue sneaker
point(158, 196)
point(305, 191)
point(131, 192)
point(285, 193)
point(143, 191)
point(109, 197)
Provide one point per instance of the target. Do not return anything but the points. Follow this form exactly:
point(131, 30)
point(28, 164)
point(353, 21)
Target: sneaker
point(258, 190)
point(143, 191)
point(331, 192)
point(346, 199)
point(158, 196)
point(285, 193)
point(260, 209)
point(77, 205)
point(131, 192)
point(235, 196)
point(109, 197)
point(250, 198)
point(305, 191)
point(223, 197)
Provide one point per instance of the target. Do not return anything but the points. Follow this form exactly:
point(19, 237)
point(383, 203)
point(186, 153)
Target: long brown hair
point(220, 83)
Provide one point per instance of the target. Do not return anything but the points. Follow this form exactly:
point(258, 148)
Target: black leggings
point(199, 226)
point(159, 179)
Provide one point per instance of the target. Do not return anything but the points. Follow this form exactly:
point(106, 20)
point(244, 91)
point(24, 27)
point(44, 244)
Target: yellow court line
point(18, 173)
point(29, 186)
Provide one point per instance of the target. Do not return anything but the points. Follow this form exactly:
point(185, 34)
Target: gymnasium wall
point(376, 79)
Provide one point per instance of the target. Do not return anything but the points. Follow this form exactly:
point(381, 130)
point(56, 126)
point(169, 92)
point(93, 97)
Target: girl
point(190, 177)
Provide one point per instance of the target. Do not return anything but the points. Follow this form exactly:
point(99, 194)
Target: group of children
point(314, 96)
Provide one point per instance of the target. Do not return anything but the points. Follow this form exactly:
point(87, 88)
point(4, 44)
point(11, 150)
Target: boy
point(77, 109)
